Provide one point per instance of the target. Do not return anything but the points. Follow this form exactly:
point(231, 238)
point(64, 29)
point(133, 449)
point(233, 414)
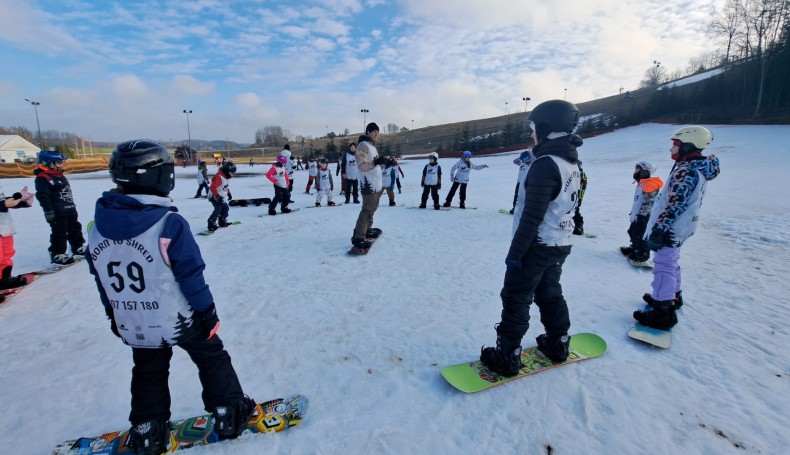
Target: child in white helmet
point(647, 187)
point(431, 181)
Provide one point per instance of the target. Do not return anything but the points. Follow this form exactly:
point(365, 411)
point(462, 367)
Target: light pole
point(35, 108)
point(505, 107)
point(526, 100)
point(565, 95)
point(189, 135)
point(364, 118)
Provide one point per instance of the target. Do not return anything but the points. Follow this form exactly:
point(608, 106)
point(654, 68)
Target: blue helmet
point(467, 154)
point(47, 157)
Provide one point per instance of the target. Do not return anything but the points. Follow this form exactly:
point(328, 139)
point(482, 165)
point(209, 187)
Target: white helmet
point(698, 136)
point(433, 155)
point(647, 166)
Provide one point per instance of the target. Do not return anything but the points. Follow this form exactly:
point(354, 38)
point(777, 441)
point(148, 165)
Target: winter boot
point(392, 204)
point(555, 348)
point(360, 243)
point(285, 210)
point(150, 437)
point(422, 206)
point(61, 259)
point(80, 251)
point(504, 359)
point(436, 207)
point(373, 233)
point(272, 212)
point(231, 421)
point(462, 205)
point(212, 226)
point(649, 300)
point(626, 251)
point(661, 315)
point(7, 281)
point(447, 203)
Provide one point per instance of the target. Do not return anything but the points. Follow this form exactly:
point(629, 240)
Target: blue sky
point(118, 70)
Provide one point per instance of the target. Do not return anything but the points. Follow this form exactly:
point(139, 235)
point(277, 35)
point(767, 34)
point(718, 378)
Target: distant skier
point(53, 192)
point(673, 220)
point(149, 274)
point(523, 161)
point(542, 230)
point(202, 179)
point(459, 175)
point(348, 168)
point(278, 175)
point(647, 187)
point(312, 171)
point(219, 196)
point(431, 181)
point(323, 183)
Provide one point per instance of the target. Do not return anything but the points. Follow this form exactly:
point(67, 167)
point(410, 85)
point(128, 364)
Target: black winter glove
point(113, 326)
point(209, 320)
point(513, 260)
point(659, 239)
point(382, 160)
point(50, 217)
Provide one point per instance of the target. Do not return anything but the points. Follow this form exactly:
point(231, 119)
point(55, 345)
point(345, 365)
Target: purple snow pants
point(666, 273)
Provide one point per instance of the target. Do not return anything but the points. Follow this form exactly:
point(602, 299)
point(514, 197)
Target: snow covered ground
point(364, 337)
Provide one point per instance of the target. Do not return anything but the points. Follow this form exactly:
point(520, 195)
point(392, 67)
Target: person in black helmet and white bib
point(542, 229)
point(149, 273)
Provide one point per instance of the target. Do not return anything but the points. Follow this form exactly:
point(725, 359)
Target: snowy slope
point(364, 337)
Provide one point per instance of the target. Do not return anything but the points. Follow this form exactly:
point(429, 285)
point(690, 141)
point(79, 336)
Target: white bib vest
point(149, 308)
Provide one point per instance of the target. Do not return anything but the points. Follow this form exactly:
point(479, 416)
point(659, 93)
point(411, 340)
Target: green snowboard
point(473, 377)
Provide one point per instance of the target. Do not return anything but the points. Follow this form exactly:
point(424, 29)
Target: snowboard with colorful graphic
point(270, 416)
point(207, 232)
point(474, 377)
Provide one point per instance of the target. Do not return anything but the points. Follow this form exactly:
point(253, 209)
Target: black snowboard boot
point(7, 281)
point(285, 210)
point(231, 421)
point(661, 315)
point(649, 300)
point(223, 222)
point(422, 206)
point(212, 226)
point(500, 361)
point(61, 259)
point(360, 243)
point(373, 233)
point(626, 251)
point(150, 437)
point(462, 205)
point(554, 348)
point(330, 203)
point(436, 207)
point(272, 212)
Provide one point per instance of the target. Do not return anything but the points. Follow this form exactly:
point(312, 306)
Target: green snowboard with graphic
point(473, 377)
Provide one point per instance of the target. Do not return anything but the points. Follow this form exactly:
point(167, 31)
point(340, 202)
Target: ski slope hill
point(364, 337)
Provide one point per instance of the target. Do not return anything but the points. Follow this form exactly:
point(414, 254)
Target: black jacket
point(53, 192)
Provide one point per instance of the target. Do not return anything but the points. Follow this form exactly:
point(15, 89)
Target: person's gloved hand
point(209, 320)
point(659, 239)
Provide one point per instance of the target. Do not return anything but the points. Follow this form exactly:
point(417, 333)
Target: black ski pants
point(434, 190)
point(453, 189)
point(281, 196)
point(352, 189)
point(66, 231)
point(538, 279)
point(636, 232)
point(150, 391)
point(221, 210)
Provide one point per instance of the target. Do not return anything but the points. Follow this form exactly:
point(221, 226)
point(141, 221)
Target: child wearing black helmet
point(541, 241)
point(149, 273)
point(219, 196)
point(53, 192)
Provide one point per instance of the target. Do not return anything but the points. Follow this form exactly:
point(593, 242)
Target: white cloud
point(188, 85)
point(130, 87)
point(247, 101)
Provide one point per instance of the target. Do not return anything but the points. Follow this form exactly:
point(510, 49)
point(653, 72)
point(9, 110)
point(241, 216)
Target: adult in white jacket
point(369, 175)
